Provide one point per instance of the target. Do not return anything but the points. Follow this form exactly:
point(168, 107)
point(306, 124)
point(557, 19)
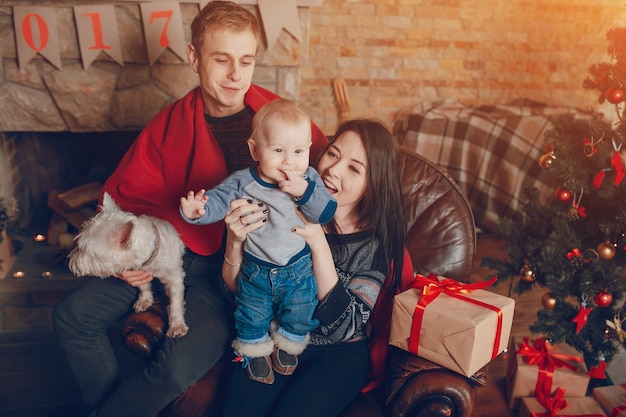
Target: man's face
point(225, 65)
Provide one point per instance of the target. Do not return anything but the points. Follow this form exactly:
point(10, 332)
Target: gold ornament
point(548, 301)
point(606, 250)
point(527, 273)
point(616, 325)
point(547, 160)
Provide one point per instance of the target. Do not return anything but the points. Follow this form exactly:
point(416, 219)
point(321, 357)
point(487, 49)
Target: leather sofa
point(441, 240)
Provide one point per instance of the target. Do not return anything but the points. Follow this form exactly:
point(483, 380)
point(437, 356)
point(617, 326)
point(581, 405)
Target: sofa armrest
point(420, 388)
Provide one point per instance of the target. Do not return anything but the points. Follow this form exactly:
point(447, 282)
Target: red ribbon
point(552, 404)
point(555, 404)
point(539, 354)
point(620, 171)
point(431, 288)
point(616, 162)
point(615, 412)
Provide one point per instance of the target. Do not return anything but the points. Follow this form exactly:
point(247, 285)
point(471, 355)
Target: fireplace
point(34, 163)
point(64, 124)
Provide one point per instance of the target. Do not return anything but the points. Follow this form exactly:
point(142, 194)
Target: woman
point(352, 256)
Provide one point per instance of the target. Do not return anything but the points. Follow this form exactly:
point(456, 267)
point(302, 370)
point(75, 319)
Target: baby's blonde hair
point(281, 111)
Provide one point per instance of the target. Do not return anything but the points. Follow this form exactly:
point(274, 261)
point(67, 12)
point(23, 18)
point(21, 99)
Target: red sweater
point(176, 153)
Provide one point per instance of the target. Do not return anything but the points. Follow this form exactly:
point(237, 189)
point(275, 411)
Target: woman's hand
point(321, 255)
point(313, 234)
point(243, 217)
point(135, 278)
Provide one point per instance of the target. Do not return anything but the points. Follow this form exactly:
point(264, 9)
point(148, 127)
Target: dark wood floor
point(35, 380)
point(491, 400)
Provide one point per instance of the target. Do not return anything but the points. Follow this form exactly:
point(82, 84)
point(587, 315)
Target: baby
point(274, 256)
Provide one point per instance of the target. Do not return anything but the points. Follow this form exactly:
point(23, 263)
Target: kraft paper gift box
point(461, 331)
point(575, 406)
point(612, 399)
point(522, 377)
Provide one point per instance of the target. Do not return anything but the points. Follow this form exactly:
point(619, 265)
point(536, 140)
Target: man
point(193, 143)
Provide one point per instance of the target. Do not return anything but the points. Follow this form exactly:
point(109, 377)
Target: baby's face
point(282, 147)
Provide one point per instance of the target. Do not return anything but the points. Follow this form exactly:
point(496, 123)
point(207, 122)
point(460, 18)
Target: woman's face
point(343, 168)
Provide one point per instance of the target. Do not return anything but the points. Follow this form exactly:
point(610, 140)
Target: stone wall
point(107, 96)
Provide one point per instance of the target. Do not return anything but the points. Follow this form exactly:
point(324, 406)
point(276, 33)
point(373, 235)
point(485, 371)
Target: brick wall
point(394, 53)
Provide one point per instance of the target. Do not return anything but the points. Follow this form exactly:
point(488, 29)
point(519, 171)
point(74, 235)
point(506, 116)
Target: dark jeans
point(326, 380)
point(81, 321)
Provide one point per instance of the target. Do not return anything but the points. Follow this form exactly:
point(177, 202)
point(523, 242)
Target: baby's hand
point(193, 204)
point(293, 184)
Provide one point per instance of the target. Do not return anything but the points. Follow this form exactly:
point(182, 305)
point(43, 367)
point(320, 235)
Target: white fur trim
point(289, 346)
point(253, 350)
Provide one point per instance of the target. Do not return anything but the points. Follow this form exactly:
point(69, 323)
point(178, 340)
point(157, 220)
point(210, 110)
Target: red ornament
point(598, 371)
point(581, 317)
point(562, 194)
point(603, 298)
point(615, 95)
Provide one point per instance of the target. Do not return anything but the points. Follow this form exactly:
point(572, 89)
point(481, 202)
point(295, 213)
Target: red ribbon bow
point(552, 404)
point(541, 355)
point(618, 166)
point(555, 404)
point(431, 288)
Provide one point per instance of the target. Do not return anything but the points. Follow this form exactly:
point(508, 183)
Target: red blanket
point(176, 153)
point(380, 322)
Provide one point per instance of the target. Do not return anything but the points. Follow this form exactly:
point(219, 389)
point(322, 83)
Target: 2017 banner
point(36, 29)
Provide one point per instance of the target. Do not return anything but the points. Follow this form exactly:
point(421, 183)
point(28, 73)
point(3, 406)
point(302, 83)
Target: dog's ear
point(108, 203)
point(121, 236)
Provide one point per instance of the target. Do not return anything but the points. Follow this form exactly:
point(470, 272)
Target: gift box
point(612, 399)
point(572, 406)
point(459, 326)
point(538, 365)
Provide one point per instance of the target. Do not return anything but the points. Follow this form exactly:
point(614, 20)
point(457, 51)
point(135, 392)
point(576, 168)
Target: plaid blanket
point(492, 152)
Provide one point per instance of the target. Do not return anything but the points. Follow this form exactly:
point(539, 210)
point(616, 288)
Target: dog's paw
point(177, 330)
point(142, 305)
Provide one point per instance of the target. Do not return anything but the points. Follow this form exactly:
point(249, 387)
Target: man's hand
point(135, 278)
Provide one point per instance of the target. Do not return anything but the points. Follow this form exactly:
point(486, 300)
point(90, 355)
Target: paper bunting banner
point(279, 14)
point(97, 32)
point(36, 33)
point(36, 29)
point(163, 28)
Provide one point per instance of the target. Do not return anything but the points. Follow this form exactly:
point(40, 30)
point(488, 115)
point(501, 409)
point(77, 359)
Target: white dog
point(114, 241)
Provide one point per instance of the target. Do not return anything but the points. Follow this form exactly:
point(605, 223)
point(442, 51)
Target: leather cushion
point(441, 235)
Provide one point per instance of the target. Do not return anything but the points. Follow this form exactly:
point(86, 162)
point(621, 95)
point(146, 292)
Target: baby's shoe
point(260, 369)
point(284, 363)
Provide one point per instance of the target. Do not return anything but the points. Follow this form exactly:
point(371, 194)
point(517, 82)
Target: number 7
point(162, 14)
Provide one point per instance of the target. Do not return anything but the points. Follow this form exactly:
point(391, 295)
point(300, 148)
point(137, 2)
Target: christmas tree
point(574, 245)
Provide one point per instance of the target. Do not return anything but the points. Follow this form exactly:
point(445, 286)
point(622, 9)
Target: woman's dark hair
point(381, 208)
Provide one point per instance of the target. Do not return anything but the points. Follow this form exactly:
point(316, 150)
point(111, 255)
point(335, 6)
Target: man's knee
point(64, 314)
